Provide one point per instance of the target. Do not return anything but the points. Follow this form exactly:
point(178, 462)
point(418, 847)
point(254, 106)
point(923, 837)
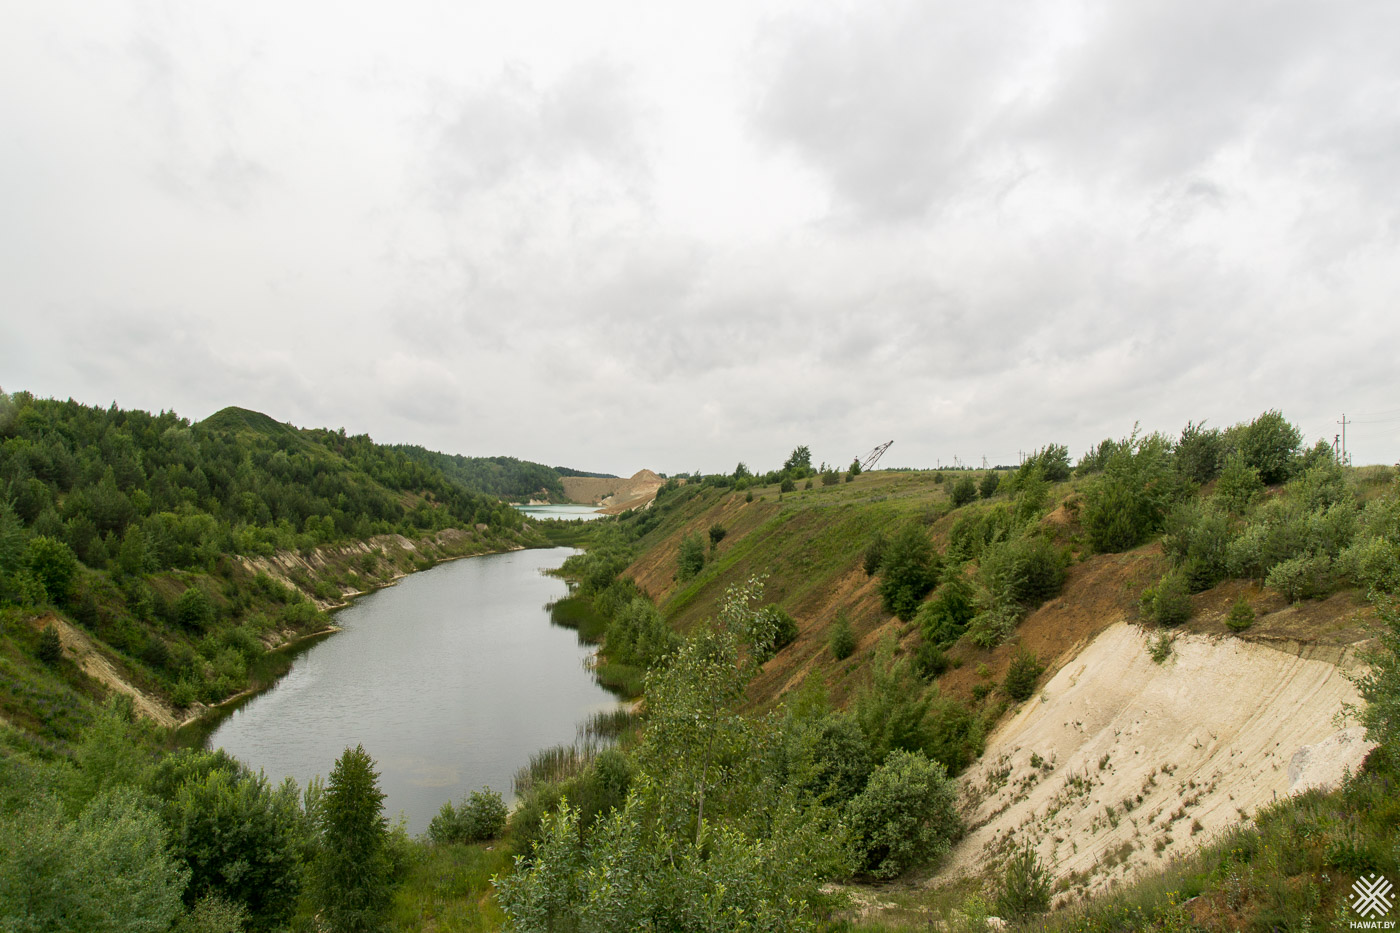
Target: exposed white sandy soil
point(1137, 762)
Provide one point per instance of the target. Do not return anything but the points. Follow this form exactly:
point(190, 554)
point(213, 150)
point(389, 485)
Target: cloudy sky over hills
point(616, 235)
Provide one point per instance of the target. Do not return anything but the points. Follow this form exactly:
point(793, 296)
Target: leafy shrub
point(1169, 601)
point(717, 533)
point(1025, 570)
point(1199, 452)
point(841, 640)
point(787, 485)
point(691, 559)
point(50, 648)
point(1097, 457)
point(241, 838)
point(964, 490)
point(929, 660)
point(831, 477)
point(1302, 577)
point(54, 564)
point(830, 759)
point(1241, 615)
point(477, 818)
point(908, 570)
point(1270, 445)
point(193, 610)
point(1025, 886)
point(1197, 538)
point(905, 816)
point(1240, 485)
point(874, 554)
point(1051, 461)
point(990, 627)
point(108, 870)
point(987, 486)
point(952, 735)
point(945, 617)
point(1372, 562)
point(1159, 647)
point(1129, 502)
point(1379, 686)
point(972, 534)
point(1021, 676)
point(772, 630)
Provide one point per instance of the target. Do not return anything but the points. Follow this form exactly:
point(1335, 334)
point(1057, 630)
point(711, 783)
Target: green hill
point(139, 538)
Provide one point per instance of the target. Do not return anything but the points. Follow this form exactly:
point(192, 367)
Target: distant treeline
point(504, 477)
point(237, 482)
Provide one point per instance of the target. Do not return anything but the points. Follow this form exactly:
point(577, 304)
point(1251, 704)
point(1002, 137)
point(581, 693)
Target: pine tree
point(351, 873)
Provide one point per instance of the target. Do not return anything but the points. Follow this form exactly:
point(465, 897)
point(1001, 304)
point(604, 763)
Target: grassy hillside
point(964, 591)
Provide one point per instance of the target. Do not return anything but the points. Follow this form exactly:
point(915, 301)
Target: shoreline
point(194, 730)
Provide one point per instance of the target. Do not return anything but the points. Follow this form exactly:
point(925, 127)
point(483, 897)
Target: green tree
point(855, 467)
point(1199, 452)
point(1240, 485)
point(477, 818)
point(906, 815)
point(695, 740)
point(799, 462)
point(1129, 502)
point(1379, 685)
point(50, 646)
point(193, 610)
point(54, 564)
point(987, 485)
point(106, 872)
point(841, 640)
point(1022, 674)
point(351, 872)
point(242, 839)
point(964, 490)
point(908, 570)
point(1271, 445)
point(691, 557)
point(1025, 886)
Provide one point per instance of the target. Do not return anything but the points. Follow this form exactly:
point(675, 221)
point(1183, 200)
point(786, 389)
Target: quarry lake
point(450, 680)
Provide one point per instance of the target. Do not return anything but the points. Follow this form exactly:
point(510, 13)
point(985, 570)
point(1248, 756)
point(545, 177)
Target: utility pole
point(1343, 423)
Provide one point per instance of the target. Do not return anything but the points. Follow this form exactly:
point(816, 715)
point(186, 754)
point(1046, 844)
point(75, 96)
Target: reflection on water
point(563, 512)
point(450, 680)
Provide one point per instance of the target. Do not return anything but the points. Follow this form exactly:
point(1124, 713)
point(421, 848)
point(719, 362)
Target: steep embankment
point(1135, 762)
point(1120, 762)
point(614, 494)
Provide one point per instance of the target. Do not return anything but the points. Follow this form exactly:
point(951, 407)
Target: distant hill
point(242, 419)
point(613, 493)
point(505, 477)
point(565, 471)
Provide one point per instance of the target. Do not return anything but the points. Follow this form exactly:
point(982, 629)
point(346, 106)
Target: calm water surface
point(450, 680)
point(565, 512)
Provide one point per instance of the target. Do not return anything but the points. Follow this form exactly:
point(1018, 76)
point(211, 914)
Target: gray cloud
point(974, 229)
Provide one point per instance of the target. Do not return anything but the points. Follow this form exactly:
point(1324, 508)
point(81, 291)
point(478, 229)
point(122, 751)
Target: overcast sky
point(625, 235)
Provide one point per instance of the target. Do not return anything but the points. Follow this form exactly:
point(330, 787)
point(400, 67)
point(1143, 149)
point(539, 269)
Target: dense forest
point(505, 477)
point(144, 530)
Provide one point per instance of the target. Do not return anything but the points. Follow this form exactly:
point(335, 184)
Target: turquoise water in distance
point(450, 680)
point(566, 512)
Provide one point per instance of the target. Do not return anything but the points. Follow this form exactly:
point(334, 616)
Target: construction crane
point(869, 460)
